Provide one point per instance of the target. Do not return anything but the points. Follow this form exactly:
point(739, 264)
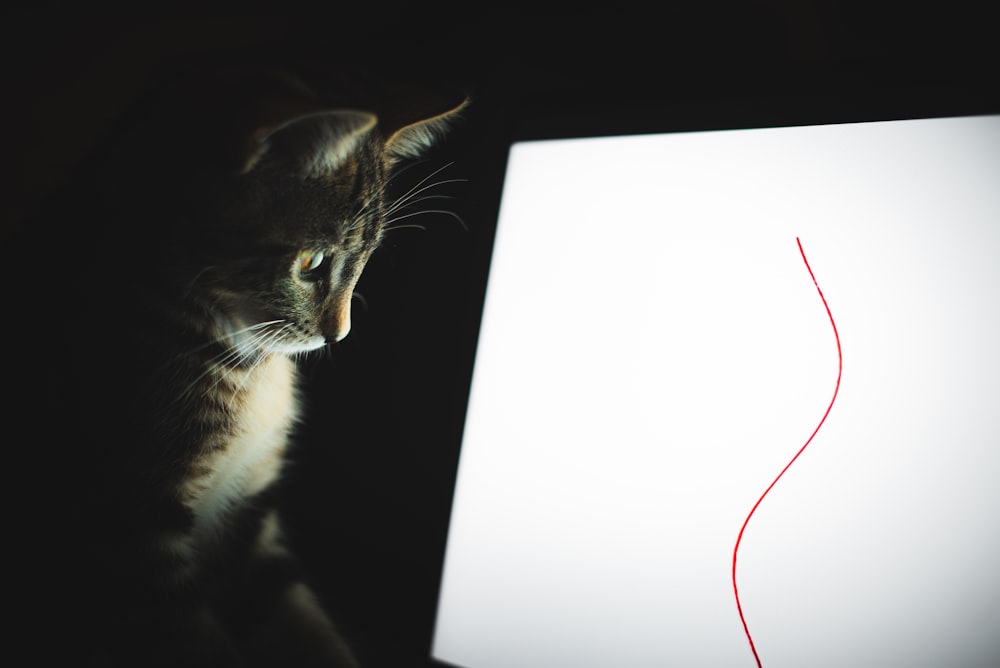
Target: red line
point(840, 369)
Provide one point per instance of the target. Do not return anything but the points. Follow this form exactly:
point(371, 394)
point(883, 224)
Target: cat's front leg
point(286, 626)
point(298, 633)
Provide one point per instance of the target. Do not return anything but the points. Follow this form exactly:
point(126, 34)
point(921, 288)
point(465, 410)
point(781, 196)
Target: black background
point(368, 495)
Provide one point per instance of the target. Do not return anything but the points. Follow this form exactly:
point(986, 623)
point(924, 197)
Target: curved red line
point(840, 369)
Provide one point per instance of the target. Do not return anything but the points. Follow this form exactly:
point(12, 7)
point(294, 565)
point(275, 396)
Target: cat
point(218, 238)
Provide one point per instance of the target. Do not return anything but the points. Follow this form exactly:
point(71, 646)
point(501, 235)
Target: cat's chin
point(296, 347)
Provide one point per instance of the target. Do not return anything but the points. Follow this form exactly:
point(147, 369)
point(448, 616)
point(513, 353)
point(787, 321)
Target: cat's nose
point(339, 325)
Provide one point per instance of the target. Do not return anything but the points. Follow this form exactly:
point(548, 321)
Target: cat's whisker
point(413, 226)
point(241, 358)
point(384, 187)
point(222, 359)
point(411, 197)
point(323, 352)
point(407, 167)
point(260, 324)
point(228, 335)
point(265, 339)
point(419, 187)
point(389, 224)
point(411, 203)
point(402, 205)
point(231, 354)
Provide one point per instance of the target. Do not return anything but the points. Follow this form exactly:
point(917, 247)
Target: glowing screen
point(653, 353)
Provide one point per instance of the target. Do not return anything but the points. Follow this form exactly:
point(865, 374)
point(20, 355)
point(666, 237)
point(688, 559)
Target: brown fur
point(182, 302)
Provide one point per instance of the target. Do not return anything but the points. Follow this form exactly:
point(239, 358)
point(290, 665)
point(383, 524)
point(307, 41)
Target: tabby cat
point(219, 238)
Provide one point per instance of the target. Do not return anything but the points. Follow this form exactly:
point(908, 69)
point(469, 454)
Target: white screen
point(653, 352)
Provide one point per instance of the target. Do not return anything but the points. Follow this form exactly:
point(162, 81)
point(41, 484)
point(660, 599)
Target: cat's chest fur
point(244, 457)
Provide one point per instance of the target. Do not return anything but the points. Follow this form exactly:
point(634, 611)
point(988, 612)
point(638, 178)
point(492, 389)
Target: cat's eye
point(307, 262)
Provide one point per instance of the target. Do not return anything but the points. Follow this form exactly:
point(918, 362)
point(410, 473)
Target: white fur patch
point(252, 458)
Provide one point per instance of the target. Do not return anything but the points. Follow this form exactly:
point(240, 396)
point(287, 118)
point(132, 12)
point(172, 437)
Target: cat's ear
point(317, 143)
point(319, 130)
point(411, 132)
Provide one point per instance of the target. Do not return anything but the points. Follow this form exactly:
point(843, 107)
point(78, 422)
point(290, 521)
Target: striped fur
point(175, 379)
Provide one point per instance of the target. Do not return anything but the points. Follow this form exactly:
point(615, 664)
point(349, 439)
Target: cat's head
point(287, 202)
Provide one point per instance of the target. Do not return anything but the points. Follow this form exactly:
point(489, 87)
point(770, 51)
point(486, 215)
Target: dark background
point(369, 494)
